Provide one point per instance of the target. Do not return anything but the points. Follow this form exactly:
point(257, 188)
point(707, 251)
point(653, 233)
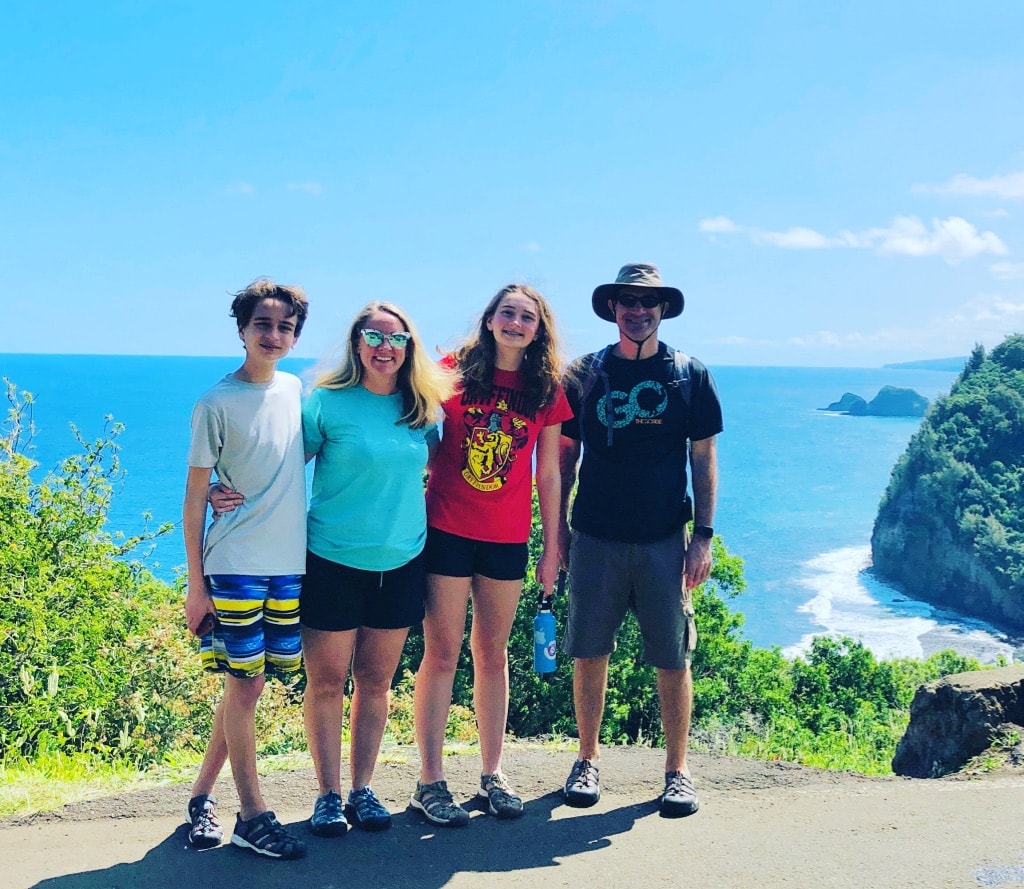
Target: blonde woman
point(371, 426)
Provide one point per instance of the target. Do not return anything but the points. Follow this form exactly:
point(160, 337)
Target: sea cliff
point(950, 527)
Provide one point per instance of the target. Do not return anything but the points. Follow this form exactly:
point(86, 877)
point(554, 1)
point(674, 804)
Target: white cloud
point(241, 188)
point(796, 238)
point(531, 247)
point(953, 239)
point(1008, 271)
point(1009, 186)
point(311, 188)
point(1004, 310)
point(818, 339)
point(988, 319)
point(719, 225)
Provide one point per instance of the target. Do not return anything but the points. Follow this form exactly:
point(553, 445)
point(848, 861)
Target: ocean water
point(798, 487)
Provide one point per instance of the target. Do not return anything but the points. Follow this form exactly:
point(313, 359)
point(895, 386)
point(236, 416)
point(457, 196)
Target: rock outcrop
point(891, 401)
point(959, 717)
point(848, 404)
point(914, 548)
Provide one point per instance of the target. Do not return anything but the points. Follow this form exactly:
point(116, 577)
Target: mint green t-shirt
point(368, 509)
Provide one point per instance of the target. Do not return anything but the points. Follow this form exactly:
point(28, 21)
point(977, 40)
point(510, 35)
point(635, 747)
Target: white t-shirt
point(250, 434)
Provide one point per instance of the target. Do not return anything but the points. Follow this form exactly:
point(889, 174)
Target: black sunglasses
point(630, 301)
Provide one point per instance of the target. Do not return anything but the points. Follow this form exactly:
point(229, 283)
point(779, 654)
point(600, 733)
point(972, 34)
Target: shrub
point(88, 662)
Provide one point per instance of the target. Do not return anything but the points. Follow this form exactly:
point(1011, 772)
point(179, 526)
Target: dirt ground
point(760, 825)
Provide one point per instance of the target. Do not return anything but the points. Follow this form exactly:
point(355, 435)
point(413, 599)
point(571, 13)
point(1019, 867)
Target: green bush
point(88, 662)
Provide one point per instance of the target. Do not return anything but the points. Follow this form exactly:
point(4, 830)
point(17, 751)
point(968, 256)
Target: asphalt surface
point(760, 825)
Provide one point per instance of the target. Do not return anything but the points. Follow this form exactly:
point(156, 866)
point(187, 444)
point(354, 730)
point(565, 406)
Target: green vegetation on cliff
point(950, 528)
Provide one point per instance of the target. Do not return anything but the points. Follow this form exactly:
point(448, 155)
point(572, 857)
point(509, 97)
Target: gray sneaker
point(680, 796)
point(583, 787)
point(502, 801)
point(436, 803)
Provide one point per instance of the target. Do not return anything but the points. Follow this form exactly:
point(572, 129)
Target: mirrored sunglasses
point(630, 301)
point(376, 337)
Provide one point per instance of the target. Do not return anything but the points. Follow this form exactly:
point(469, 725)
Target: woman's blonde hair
point(542, 361)
point(423, 385)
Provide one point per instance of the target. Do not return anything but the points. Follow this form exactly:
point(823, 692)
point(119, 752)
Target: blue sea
point(798, 487)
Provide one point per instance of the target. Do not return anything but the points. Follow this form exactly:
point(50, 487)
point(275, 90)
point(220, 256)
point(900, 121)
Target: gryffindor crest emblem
point(490, 449)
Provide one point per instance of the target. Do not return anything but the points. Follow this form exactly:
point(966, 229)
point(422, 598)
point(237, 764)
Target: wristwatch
point(703, 531)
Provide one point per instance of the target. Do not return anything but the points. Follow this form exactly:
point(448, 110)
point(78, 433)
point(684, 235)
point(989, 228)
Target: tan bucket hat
point(637, 274)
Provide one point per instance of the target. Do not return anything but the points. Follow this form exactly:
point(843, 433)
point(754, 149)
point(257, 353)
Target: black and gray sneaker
point(265, 836)
point(437, 805)
point(205, 832)
point(583, 787)
point(680, 796)
point(365, 811)
point(502, 801)
point(328, 819)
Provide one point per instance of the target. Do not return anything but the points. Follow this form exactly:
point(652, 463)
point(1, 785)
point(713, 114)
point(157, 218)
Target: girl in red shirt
point(509, 404)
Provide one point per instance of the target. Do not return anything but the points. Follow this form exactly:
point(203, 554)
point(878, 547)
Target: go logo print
point(618, 409)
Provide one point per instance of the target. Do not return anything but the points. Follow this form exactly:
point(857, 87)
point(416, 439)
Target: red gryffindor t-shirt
point(481, 482)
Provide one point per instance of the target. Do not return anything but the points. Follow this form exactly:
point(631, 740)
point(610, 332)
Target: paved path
point(760, 825)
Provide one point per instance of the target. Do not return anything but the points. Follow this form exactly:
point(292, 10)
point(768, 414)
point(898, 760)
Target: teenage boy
point(245, 571)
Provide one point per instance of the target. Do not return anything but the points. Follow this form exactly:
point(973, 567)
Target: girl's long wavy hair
point(423, 384)
point(542, 362)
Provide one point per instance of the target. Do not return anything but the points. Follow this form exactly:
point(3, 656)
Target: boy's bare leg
point(239, 718)
point(214, 758)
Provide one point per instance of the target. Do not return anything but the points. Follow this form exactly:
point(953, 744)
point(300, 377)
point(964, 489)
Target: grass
point(56, 780)
point(53, 780)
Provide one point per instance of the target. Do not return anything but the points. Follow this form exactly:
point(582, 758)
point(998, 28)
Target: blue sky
point(829, 184)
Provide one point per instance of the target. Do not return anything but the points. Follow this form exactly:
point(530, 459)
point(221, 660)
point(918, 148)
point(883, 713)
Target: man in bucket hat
point(642, 412)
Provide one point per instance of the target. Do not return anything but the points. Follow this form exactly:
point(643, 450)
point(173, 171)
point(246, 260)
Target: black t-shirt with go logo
point(634, 490)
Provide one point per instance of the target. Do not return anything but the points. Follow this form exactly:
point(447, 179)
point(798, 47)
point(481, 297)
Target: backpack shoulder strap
point(682, 374)
point(594, 368)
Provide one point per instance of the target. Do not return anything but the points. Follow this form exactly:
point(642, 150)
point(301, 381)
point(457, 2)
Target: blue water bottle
point(544, 644)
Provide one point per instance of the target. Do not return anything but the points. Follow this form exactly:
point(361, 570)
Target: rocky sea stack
point(891, 401)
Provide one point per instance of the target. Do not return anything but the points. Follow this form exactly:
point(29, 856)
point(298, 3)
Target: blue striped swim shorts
point(257, 627)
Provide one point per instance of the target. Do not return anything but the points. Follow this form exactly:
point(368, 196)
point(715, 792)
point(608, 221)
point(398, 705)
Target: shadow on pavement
point(412, 854)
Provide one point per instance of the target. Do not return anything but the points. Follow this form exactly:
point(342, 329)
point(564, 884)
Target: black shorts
point(452, 556)
point(336, 597)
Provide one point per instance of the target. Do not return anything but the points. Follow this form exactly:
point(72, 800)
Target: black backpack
point(681, 376)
